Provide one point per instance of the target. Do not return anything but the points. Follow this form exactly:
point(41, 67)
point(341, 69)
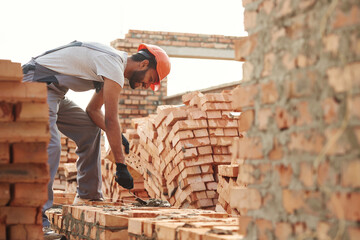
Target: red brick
point(269, 93)
point(283, 119)
point(244, 222)
point(10, 71)
point(196, 114)
point(285, 174)
point(322, 230)
point(250, 20)
point(189, 125)
point(222, 123)
point(24, 172)
point(340, 78)
point(277, 152)
point(180, 135)
point(222, 159)
point(228, 170)
point(250, 148)
point(29, 195)
point(114, 234)
point(24, 92)
point(292, 200)
point(34, 112)
point(244, 96)
point(18, 215)
point(30, 152)
point(350, 18)
point(6, 112)
point(244, 47)
point(201, 133)
point(174, 116)
point(326, 174)
point(345, 205)
point(350, 174)
point(24, 132)
point(4, 193)
point(245, 198)
point(283, 231)
point(330, 110)
point(306, 174)
point(354, 233)
point(304, 117)
point(231, 132)
point(264, 115)
point(306, 142)
point(4, 153)
point(248, 70)
point(269, 61)
point(110, 220)
point(190, 143)
point(264, 227)
point(246, 120)
point(213, 114)
point(331, 43)
point(221, 141)
point(33, 232)
point(205, 150)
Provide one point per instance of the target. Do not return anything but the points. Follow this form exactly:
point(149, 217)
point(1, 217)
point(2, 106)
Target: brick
point(248, 70)
point(4, 153)
point(304, 116)
point(244, 47)
point(29, 152)
point(221, 141)
point(264, 227)
point(222, 159)
point(343, 19)
point(330, 110)
point(191, 143)
point(246, 120)
point(174, 116)
point(3, 231)
point(269, 61)
point(283, 118)
point(264, 115)
point(196, 114)
point(285, 174)
point(322, 230)
point(345, 205)
point(114, 234)
point(24, 172)
point(244, 222)
point(222, 123)
point(226, 106)
point(23, 92)
point(34, 112)
point(187, 97)
point(244, 96)
point(276, 152)
point(28, 231)
point(228, 170)
point(18, 215)
point(213, 114)
point(340, 78)
point(112, 220)
point(216, 132)
point(204, 150)
point(354, 233)
point(250, 148)
point(136, 226)
point(349, 174)
point(249, 20)
point(4, 194)
point(10, 71)
point(331, 43)
point(245, 198)
point(189, 125)
point(180, 135)
point(283, 231)
point(24, 132)
point(326, 174)
point(306, 142)
point(29, 195)
point(167, 230)
point(292, 200)
point(200, 133)
point(306, 174)
point(6, 112)
point(269, 93)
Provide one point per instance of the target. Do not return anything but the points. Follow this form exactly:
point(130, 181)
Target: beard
point(137, 77)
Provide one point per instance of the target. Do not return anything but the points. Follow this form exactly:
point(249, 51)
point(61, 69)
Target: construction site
point(275, 155)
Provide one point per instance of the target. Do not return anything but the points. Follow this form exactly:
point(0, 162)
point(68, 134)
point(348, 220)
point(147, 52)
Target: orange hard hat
point(163, 62)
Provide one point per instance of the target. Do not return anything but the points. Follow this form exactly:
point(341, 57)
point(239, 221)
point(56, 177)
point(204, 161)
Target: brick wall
point(301, 151)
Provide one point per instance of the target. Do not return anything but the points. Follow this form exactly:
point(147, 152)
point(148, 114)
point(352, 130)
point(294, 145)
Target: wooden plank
point(23, 92)
point(24, 132)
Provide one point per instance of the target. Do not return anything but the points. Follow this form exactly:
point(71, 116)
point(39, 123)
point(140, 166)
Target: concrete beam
point(198, 52)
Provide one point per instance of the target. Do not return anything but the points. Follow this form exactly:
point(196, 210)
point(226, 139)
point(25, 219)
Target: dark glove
point(123, 177)
point(125, 143)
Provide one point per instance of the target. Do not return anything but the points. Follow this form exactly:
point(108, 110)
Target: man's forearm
point(98, 118)
point(113, 133)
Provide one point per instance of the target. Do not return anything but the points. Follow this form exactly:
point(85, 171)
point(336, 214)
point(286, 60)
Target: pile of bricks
point(24, 135)
point(112, 191)
point(111, 221)
point(179, 148)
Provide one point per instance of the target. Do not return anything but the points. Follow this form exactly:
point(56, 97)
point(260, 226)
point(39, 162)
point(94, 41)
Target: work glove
point(125, 143)
point(123, 177)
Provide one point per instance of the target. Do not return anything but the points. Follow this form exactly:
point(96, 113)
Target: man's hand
point(125, 142)
point(123, 177)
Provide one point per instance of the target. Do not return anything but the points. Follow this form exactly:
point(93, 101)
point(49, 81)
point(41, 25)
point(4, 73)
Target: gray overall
point(65, 116)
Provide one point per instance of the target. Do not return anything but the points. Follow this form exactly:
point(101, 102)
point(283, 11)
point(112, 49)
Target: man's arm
point(109, 95)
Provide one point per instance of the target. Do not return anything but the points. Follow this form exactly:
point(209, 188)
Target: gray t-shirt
point(80, 66)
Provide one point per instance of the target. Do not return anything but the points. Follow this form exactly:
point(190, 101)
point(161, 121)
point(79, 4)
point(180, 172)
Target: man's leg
point(76, 124)
point(54, 149)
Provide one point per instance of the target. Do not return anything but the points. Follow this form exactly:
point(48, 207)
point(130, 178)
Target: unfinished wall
point(301, 82)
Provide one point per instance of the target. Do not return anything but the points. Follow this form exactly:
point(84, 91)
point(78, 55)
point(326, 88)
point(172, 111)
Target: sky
point(29, 28)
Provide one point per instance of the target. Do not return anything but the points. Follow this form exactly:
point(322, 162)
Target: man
point(81, 66)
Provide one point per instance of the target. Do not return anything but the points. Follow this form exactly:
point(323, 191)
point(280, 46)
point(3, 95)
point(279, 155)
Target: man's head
point(153, 65)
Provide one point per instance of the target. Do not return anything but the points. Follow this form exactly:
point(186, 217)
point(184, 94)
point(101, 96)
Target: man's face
point(143, 78)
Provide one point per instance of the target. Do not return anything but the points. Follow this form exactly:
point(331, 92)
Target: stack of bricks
point(24, 135)
point(301, 151)
point(65, 184)
point(112, 191)
point(109, 221)
point(180, 147)
point(135, 103)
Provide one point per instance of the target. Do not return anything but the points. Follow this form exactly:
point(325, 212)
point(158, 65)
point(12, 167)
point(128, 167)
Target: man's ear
point(144, 64)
